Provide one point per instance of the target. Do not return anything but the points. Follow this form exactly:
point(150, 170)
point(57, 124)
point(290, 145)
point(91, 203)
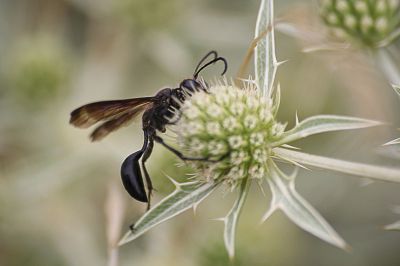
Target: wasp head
point(191, 86)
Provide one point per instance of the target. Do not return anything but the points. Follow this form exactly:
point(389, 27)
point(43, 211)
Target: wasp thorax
point(231, 127)
point(370, 22)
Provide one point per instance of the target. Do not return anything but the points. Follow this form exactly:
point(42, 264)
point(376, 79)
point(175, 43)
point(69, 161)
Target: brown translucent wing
point(89, 114)
point(115, 123)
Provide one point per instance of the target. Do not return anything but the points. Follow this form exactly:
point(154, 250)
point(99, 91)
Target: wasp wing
point(115, 123)
point(89, 114)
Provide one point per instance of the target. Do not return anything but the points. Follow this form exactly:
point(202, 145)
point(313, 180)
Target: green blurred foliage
point(39, 70)
point(143, 16)
point(214, 254)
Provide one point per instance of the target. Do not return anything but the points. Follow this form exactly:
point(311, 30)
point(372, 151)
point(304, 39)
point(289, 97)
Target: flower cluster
point(231, 128)
point(369, 22)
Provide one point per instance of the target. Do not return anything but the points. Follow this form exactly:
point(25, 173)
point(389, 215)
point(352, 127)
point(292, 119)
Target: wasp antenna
point(216, 59)
point(196, 70)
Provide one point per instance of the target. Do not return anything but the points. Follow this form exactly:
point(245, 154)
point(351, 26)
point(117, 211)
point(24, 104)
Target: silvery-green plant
point(235, 127)
point(372, 23)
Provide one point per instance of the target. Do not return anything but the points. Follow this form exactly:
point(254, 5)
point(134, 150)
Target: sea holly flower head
point(230, 127)
point(372, 23)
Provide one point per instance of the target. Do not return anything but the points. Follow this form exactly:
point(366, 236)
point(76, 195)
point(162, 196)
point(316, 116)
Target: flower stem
point(360, 169)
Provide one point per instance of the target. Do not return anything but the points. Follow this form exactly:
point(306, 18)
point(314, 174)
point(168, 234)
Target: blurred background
point(61, 198)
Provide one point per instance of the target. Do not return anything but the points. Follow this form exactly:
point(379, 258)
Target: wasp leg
point(179, 154)
point(145, 156)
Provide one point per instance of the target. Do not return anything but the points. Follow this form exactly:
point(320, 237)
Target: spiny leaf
point(277, 101)
point(286, 198)
point(388, 64)
point(392, 37)
point(232, 218)
point(392, 142)
point(360, 169)
point(264, 57)
point(323, 123)
point(394, 226)
point(184, 197)
point(396, 88)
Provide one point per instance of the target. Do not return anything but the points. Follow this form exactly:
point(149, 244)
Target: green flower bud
point(231, 128)
point(371, 23)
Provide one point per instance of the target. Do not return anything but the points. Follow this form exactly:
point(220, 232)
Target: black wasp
point(157, 113)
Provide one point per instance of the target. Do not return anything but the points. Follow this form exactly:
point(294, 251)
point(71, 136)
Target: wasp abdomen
point(132, 177)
